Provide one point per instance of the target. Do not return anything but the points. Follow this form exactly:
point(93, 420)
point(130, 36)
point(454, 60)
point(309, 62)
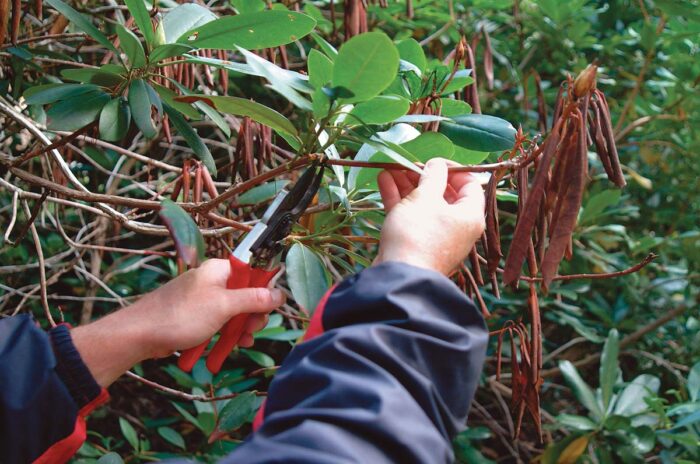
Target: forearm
point(114, 344)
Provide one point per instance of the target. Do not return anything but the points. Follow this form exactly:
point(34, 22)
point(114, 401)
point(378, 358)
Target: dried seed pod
point(476, 267)
point(494, 254)
point(541, 104)
point(488, 59)
point(4, 19)
point(16, 17)
point(471, 93)
point(586, 81)
point(609, 135)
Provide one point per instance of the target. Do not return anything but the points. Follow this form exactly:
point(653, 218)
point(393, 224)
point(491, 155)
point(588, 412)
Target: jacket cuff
point(71, 369)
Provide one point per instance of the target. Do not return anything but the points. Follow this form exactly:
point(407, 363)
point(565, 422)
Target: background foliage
point(114, 77)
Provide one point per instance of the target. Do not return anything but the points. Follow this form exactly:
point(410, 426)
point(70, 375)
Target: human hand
point(179, 315)
point(428, 224)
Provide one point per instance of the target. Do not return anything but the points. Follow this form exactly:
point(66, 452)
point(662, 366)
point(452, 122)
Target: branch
point(648, 259)
point(183, 395)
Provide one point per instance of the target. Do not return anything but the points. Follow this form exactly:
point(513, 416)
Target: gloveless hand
point(428, 224)
point(179, 315)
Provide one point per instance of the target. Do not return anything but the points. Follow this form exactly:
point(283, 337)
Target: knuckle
point(261, 297)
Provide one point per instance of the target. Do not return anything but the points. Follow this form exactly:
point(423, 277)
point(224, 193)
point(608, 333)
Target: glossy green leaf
point(242, 107)
point(110, 458)
point(262, 192)
point(192, 138)
point(142, 18)
point(320, 69)
point(82, 23)
point(582, 391)
point(248, 6)
point(286, 83)
point(379, 110)
point(450, 107)
point(168, 97)
point(609, 367)
point(264, 29)
point(411, 51)
point(172, 436)
point(465, 156)
point(366, 65)
point(131, 45)
point(574, 422)
point(185, 233)
point(168, 51)
point(115, 119)
point(325, 47)
point(631, 400)
point(140, 104)
point(259, 358)
point(97, 76)
point(237, 412)
point(306, 276)
point(430, 145)
point(183, 18)
point(479, 132)
point(70, 115)
point(50, 93)
point(129, 433)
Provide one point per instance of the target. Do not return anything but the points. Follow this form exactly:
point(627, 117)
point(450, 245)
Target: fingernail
point(278, 295)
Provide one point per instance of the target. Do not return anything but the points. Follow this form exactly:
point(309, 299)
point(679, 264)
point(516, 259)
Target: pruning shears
point(255, 261)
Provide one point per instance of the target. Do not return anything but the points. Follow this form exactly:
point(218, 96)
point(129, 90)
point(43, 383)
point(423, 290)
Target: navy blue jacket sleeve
point(45, 392)
point(389, 378)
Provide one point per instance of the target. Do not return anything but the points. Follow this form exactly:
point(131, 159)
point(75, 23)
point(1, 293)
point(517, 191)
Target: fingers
point(433, 181)
point(403, 182)
point(250, 300)
point(470, 201)
point(255, 323)
point(389, 190)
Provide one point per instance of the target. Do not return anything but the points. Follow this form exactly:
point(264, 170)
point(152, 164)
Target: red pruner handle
point(242, 276)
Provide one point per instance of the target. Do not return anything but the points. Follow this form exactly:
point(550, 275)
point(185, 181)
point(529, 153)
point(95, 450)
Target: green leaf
point(366, 65)
point(259, 358)
point(129, 433)
point(50, 93)
point(185, 233)
point(306, 276)
point(168, 51)
point(451, 107)
point(172, 437)
point(183, 18)
point(168, 97)
point(582, 391)
point(82, 23)
point(115, 119)
point(411, 51)
point(326, 47)
point(131, 45)
point(279, 334)
point(242, 107)
point(320, 69)
point(379, 110)
point(694, 382)
point(192, 138)
point(282, 81)
point(574, 422)
point(480, 132)
point(70, 115)
point(262, 192)
point(140, 104)
point(597, 203)
point(110, 458)
point(138, 10)
point(103, 76)
point(631, 400)
point(237, 412)
point(609, 367)
point(248, 6)
point(264, 29)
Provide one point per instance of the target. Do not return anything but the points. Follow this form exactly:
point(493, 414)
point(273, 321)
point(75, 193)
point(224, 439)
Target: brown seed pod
point(16, 17)
point(471, 93)
point(494, 253)
point(488, 59)
point(4, 19)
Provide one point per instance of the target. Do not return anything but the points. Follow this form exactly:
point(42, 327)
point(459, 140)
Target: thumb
point(433, 181)
point(252, 300)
